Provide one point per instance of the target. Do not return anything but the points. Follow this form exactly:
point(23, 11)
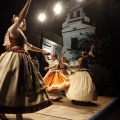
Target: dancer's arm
point(24, 11)
point(91, 51)
point(47, 68)
point(33, 48)
point(72, 71)
point(79, 63)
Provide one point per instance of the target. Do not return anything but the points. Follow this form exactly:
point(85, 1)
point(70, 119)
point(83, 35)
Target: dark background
point(105, 13)
point(52, 22)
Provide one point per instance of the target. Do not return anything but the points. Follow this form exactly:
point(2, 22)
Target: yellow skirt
point(56, 81)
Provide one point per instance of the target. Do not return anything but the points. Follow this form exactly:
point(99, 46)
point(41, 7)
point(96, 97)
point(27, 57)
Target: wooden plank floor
point(66, 110)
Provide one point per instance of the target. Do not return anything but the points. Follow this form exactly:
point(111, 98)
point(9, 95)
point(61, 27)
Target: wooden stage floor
point(66, 110)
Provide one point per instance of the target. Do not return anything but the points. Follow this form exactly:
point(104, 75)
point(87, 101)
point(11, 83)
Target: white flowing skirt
point(21, 86)
point(81, 87)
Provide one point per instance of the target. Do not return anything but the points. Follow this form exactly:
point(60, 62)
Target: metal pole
point(41, 56)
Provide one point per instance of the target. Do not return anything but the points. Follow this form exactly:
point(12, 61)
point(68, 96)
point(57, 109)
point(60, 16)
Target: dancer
point(54, 79)
point(64, 68)
point(82, 87)
point(22, 89)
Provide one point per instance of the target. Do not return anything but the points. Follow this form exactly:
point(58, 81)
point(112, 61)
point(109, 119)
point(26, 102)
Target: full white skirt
point(81, 87)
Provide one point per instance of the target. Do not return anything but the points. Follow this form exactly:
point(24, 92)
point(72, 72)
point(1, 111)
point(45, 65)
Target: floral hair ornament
point(15, 18)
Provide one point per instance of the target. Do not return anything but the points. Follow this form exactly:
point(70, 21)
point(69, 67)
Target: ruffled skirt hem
point(21, 110)
point(56, 81)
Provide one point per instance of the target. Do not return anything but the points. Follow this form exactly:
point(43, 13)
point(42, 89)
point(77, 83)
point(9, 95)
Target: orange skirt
point(56, 81)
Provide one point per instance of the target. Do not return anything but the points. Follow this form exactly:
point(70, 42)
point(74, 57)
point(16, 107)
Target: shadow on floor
point(82, 103)
point(24, 119)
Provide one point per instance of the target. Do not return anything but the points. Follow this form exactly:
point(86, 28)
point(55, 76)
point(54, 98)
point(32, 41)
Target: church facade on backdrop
point(76, 26)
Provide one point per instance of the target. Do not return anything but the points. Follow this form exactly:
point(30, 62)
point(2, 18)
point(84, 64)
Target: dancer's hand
point(46, 68)
point(46, 53)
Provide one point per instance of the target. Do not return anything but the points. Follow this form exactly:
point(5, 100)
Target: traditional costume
point(54, 79)
point(22, 89)
point(82, 87)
